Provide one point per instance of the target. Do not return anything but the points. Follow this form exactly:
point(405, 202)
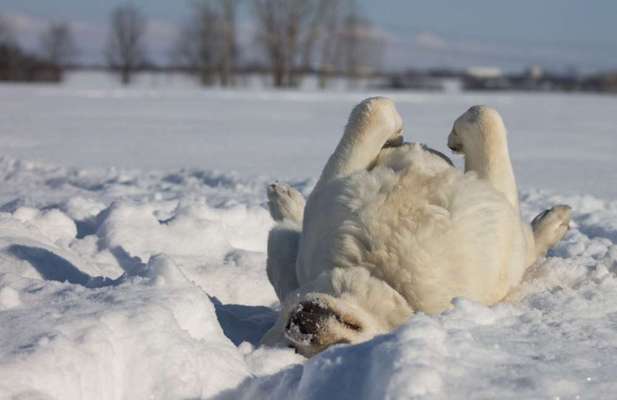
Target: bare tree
point(287, 30)
point(329, 43)
point(58, 45)
point(9, 50)
point(196, 44)
point(291, 30)
point(7, 33)
point(125, 48)
point(362, 47)
point(321, 11)
point(271, 36)
point(229, 51)
point(208, 44)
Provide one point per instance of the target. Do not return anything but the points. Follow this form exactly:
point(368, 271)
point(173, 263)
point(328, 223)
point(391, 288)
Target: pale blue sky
point(508, 34)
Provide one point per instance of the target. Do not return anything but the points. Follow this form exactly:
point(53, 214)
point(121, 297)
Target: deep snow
point(120, 283)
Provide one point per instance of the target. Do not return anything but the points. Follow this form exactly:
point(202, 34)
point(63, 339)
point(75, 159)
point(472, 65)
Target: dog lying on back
point(391, 229)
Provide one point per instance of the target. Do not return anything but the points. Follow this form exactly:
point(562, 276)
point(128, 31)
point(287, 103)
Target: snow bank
point(145, 338)
point(122, 284)
point(91, 309)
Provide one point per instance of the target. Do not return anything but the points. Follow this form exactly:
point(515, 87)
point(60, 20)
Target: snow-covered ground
point(133, 235)
point(165, 122)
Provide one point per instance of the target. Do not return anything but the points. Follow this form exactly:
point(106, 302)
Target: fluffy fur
point(392, 231)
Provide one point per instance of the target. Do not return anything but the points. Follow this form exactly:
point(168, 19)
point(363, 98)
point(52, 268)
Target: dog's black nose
point(308, 319)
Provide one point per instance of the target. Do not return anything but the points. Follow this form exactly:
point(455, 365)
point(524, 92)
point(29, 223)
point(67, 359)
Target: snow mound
point(155, 337)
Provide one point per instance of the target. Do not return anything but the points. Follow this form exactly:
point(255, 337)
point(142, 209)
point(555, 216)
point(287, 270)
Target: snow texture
point(122, 281)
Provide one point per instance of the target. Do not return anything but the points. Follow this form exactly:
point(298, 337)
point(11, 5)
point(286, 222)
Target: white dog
point(391, 229)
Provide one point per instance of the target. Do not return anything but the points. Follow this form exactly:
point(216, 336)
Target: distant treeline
point(547, 82)
point(291, 38)
point(478, 79)
point(57, 50)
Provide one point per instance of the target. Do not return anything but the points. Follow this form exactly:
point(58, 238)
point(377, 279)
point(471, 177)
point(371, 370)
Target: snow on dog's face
point(320, 321)
point(473, 130)
point(347, 306)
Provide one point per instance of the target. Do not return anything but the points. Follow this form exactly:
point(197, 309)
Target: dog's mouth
point(455, 148)
point(452, 142)
point(394, 142)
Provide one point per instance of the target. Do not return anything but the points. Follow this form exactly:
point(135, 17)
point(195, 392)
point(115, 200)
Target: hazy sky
point(461, 33)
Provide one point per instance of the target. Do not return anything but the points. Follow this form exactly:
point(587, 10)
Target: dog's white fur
point(391, 232)
point(286, 206)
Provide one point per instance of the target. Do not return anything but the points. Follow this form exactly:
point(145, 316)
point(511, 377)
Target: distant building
point(535, 72)
point(484, 72)
point(418, 80)
point(485, 78)
point(535, 78)
point(18, 66)
point(605, 83)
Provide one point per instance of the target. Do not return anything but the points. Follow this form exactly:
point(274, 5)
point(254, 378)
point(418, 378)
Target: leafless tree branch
point(125, 48)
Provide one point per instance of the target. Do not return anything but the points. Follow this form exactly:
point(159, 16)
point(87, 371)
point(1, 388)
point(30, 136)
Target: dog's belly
point(424, 228)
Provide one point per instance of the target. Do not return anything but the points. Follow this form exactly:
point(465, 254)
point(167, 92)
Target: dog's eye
point(354, 326)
